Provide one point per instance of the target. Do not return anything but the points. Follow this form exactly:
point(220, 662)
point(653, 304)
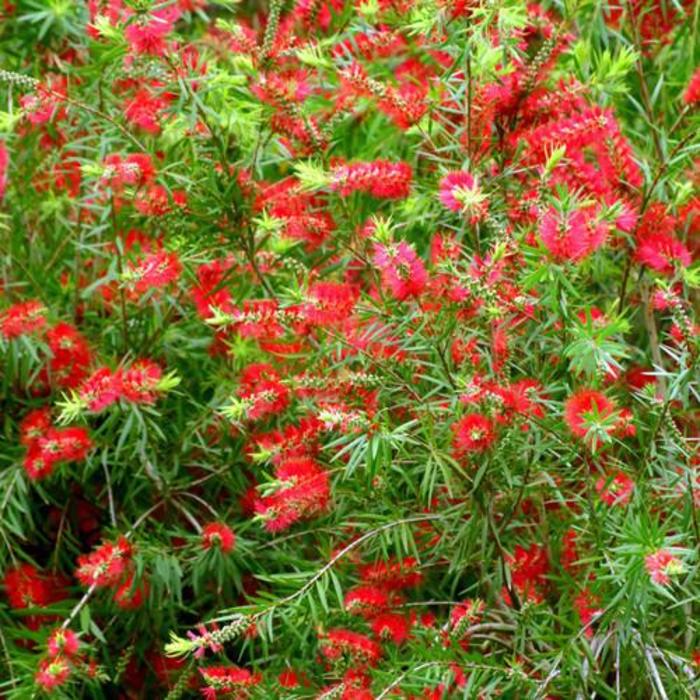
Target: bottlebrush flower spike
point(132, 170)
point(230, 681)
point(22, 318)
point(592, 416)
point(303, 492)
point(153, 271)
point(329, 303)
point(573, 236)
point(261, 394)
point(53, 673)
point(662, 565)
point(460, 192)
point(339, 643)
point(212, 639)
point(70, 356)
point(529, 569)
point(218, 536)
point(148, 37)
point(142, 382)
point(26, 587)
point(366, 601)
point(662, 252)
point(106, 565)
point(64, 642)
point(100, 390)
point(403, 272)
point(615, 490)
point(392, 575)
point(379, 178)
point(472, 434)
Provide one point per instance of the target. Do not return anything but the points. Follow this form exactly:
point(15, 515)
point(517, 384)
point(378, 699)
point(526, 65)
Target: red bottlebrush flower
point(392, 626)
point(366, 601)
point(444, 246)
point(329, 303)
point(129, 596)
point(259, 318)
point(639, 377)
point(52, 673)
point(44, 105)
point(392, 575)
point(34, 426)
point(570, 238)
point(661, 565)
point(64, 642)
point(154, 271)
point(26, 587)
point(210, 292)
point(139, 383)
point(379, 178)
point(341, 643)
point(662, 252)
point(106, 565)
point(465, 614)
point(38, 464)
point(133, 170)
point(144, 110)
point(288, 679)
point(48, 445)
point(405, 105)
point(460, 192)
point(148, 37)
point(616, 490)
point(66, 444)
point(403, 272)
point(4, 167)
point(154, 200)
point(219, 536)
point(529, 568)
point(304, 493)
point(473, 433)
point(691, 96)
point(263, 391)
point(227, 680)
point(588, 409)
point(22, 318)
point(70, 355)
point(100, 390)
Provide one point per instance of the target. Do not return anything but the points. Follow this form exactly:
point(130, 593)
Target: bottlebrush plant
point(349, 349)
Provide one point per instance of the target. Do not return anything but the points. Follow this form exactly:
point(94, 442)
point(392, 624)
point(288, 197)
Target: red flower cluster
point(350, 646)
point(218, 536)
point(26, 587)
point(227, 681)
point(588, 413)
point(23, 318)
point(303, 492)
point(403, 272)
point(47, 445)
point(138, 383)
point(379, 178)
point(105, 566)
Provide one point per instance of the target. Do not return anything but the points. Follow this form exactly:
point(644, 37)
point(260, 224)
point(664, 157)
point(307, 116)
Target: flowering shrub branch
point(349, 349)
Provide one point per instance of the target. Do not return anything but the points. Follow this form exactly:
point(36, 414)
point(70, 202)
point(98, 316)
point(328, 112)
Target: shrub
point(349, 349)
